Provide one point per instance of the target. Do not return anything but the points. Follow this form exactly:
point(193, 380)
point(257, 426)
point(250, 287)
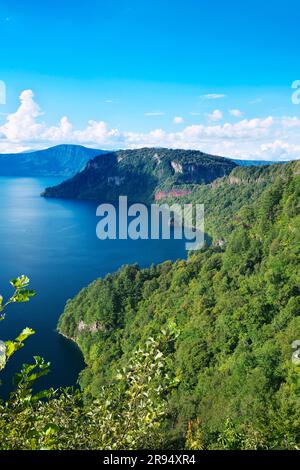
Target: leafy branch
point(21, 294)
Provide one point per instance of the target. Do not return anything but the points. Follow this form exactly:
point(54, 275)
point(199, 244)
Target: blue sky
point(192, 74)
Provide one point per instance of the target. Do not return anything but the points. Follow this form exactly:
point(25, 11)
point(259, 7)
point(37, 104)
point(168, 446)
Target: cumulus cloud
point(216, 115)
point(279, 150)
point(178, 120)
point(236, 112)
point(270, 138)
point(22, 124)
point(60, 132)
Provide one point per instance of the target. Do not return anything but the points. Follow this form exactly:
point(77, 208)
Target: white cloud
point(178, 120)
point(245, 129)
point(97, 131)
point(270, 138)
point(213, 96)
point(10, 147)
point(289, 122)
point(22, 124)
point(279, 151)
point(216, 115)
point(236, 112)
point(154, 113)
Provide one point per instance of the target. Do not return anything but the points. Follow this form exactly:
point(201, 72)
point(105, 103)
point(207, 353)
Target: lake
point(54, 243)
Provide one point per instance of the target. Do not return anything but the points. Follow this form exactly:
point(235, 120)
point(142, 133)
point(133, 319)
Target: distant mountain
point(141, 174)
point(61, 160)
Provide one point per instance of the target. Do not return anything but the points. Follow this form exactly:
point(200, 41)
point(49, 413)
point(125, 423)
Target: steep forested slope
point(140, 174)
point(238, 310)
point(224, 197)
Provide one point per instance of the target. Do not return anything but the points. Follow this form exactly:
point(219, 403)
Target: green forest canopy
point(237, 308)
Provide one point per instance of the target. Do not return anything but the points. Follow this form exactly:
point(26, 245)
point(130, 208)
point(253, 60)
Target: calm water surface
point(54, 242)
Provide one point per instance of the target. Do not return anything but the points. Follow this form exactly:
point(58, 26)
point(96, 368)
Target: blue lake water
point(54, 243)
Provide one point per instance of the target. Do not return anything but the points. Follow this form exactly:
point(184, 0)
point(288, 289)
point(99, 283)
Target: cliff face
point(173, 193)
point(140, 174)
point(260, 174)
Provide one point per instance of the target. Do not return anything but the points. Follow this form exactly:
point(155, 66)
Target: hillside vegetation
point(128, 413)
point(140, 174)
point(224, 197)
point(238, 311)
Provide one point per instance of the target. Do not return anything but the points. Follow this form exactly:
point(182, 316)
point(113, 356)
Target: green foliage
point(128, 414)
point(18, 343)
point(21, 294)
point(140, 174)
point(238, 310)
point(227, 381)
point(226, 196)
